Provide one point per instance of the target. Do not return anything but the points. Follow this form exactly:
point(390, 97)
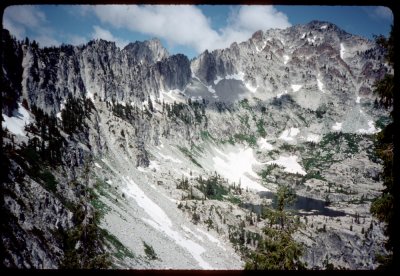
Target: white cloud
point(99, 32)
point(187, 26)
point(77, 39)
point(15, 29)
point(381, 12)
point(21, 19)
point(27, 16)
point(46, 41)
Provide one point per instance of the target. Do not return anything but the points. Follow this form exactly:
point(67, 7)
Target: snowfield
point(296, 87)
point(337, 126)
point(313, 138)
point(320, 85)
point(342, 51)
point(236, 164)
point(264, 145)
point(16, 123)
point(289, 134)
point(371, 130)
point(290, 164)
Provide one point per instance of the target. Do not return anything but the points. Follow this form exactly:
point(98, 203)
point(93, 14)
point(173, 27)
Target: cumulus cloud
point(243, 22)
point(99, 32)
point(187, 25)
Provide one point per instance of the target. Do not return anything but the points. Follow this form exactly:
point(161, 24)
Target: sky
point(187, 29)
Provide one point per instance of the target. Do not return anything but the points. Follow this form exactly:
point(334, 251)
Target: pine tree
point(278, 249)
point(384, 206)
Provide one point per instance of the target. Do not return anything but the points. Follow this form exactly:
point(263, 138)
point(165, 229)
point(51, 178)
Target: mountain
point(134, 158)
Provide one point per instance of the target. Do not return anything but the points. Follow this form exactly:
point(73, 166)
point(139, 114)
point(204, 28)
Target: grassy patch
point(234, 199)
point(212, 187)
point(260, 128)
point(245, 104)
point(120, 250)
point(250, 139)
point(205, 135)
point(149, 251)
point(189, 154)
point(49, 181)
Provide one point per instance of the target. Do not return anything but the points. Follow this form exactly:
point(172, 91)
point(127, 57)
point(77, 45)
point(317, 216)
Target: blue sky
point(182, 29)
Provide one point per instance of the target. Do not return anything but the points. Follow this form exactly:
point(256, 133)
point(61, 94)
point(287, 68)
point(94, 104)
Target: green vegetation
point(260, 128)
point(205, 135)
point(245, 104)
point(383, 121)
point(267, 171)
point(384, 206)
point(49, 180)
point(149, 251)
point(249, 138)
point(212, 187)
point(120, 251)
point(84, 242)
point(74, 113)
point(189, 154)
point(277, 249)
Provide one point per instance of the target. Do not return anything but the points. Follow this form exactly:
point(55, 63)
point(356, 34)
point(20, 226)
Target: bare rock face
point(159, 115)
point(148, 52)
point(131, 74)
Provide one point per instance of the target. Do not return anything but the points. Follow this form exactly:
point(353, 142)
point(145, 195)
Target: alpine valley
point(135, 158)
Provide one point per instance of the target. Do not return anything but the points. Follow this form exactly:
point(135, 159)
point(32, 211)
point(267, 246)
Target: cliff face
point(131, 74)
point(97, 137)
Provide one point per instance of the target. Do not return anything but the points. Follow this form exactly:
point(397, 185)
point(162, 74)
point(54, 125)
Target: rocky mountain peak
point(149, 51)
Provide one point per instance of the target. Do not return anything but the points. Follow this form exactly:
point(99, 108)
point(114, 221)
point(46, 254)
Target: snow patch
point(211, 238)
point(152, 209)
point(166, 157)
point(89, 95)
point(324, 27)
point(280, 94)
point(358, 99)
point(97, 165)
point(210, 89)
point(371, 130)
point(312, 40)
point(161, 222)
point(313, 138)
point(320, 85)
point(289, 134)
point(153, 165)
point(262, 48)
point(342, 51)
point(236, 165)
point(263, 144)
point(173, 95)
point(285, 59)
point(289, 163)
point(250, 87)
point(218, 80)
point(337, 126)
point(16, 123)
point(186, 229)
point(239, 76)
point(296, 87)
point(62, 107)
